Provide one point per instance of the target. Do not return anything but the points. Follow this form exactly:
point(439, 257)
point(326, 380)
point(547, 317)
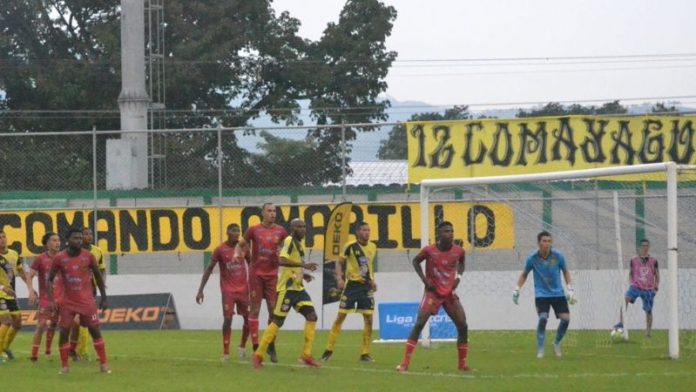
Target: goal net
point(597, 218)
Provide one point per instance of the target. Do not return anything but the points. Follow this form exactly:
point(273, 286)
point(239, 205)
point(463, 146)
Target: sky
point(464, 30)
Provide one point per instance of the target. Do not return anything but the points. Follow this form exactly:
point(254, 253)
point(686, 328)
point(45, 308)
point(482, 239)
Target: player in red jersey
point(233, 286)
point(76, 268)
point(48, 318)
point(266, 239)
point(444, 266)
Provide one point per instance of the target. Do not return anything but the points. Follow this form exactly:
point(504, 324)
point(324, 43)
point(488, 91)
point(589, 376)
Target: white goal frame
point(670, 168)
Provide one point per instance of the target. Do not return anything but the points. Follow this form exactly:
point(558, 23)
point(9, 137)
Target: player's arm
point(102, 267)
point(570, 293)
point(460, 271)
point(521, 280)
point(206, 275)
point(27, 280)
point(630, 271)
point(339, 272)
point(657, 277)
point(416, 262)
point(284, 259)
point(372, 273)
point(49, 287)
point(100, 284)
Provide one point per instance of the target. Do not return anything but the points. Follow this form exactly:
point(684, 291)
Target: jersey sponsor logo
point(492, 147)
point(488, 226)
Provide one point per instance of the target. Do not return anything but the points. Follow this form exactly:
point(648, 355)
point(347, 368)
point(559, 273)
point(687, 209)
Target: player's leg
point(648, 299)
point(560, 308)
point(242, 309)
point(306, 309)
point(366, 306)
point(67, 318)
point(255, 297)
point(82, 343)
point(90, 318)
point(15, 326)
point(227, 313)
point(421, 320)
point(278, 318)
point(5, 324)
point(43, 320)
point(74, 338)
point(51, 329)
point(543, 305)
point(455, 311)
point(270, 294)
point(333, 334)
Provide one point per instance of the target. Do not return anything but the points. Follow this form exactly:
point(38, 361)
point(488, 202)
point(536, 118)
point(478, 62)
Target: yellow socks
point(335, 330)
point(268, 336)
point(308, 338)
point(366, 337)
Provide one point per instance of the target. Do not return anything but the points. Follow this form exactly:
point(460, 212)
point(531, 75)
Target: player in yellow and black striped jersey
point(79, 335)
point(358, 289)
point(291, 294)
point(10, 315)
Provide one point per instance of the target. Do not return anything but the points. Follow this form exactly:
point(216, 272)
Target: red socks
point(254, 330)
point(245, 334)
point(410, 346)
point(463, 350)
point(49, 339)
point(64, 350)
point(101, 350)
point(226, 335)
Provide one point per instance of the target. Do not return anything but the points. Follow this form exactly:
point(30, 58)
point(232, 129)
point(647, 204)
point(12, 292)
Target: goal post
point(668, 176)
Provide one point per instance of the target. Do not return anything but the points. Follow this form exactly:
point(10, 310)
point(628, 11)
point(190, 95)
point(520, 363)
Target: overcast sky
point(493, 29)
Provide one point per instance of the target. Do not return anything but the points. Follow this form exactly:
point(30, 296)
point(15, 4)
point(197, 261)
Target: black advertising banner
point(125, 312)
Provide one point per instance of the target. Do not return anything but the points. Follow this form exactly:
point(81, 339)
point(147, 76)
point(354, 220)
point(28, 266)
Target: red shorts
point(231, 300)
point(48, 316)
point(89, 315)
point(263, 287)
point(431, 302)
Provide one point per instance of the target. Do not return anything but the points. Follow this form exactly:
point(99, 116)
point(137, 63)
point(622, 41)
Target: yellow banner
point(197, 229)
point(492, 147)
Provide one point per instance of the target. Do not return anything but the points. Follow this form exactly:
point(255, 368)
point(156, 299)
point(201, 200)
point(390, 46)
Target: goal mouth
point(596, 218)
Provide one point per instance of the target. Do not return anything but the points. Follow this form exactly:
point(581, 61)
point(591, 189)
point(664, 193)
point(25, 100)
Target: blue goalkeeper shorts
point(648, 297)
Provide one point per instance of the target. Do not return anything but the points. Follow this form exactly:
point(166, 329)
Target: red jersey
point(42, 264)
point(233, 269)
point(76, 272)
point(441, 266)
point(265, 247)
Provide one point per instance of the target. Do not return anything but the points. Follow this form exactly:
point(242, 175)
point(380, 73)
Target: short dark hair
point(231, 226)
point(359, 225)
point(542, 235)
point(644, 241)
point(46, 237)
point(263, 206)
point(72, 231)
point(444, 224)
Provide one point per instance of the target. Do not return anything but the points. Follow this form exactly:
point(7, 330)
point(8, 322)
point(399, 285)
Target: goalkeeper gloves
point(570, 295)
point(516, 295)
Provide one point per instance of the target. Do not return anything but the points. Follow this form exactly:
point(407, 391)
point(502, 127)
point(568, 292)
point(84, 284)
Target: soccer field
point(190, 360)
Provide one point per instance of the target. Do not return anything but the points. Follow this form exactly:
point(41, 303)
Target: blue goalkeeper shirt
point(547, 273)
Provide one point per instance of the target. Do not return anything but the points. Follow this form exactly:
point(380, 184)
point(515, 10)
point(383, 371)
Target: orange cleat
point(402, 368)
point(309, 361)
point(256, 361)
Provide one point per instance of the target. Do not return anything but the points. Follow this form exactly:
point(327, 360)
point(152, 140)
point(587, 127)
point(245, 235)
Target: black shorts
point(291, 299)
point(8, 306)
point(357, 297)
point(559, 305)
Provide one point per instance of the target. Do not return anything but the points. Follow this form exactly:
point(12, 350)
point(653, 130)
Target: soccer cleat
point(326, 355)
point(309, 361)
point(241, 352)
point(540, 354)
point(104, 369)
point(464, 368)
point(402, 368)
point(10, 355)
point(366, 358)
point(74, 356)
point(48, 353)
point(271, 351)
point(256, 361)
point(225, 358)
point(64, 370)
point(557, 349)
point(618, 325)
point(2, 359)
point(33, 359)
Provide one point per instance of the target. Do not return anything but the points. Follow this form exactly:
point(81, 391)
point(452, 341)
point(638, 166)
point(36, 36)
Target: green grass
point(190, 360)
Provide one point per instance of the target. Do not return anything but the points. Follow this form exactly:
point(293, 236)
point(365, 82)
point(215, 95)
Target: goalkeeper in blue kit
point(547, 264)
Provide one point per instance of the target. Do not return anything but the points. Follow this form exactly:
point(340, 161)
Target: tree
point(664, 108)
point(395, 146)
point(227, 63)
point(557, 109)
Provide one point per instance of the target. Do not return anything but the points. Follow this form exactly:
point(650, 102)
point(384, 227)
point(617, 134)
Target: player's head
point(544, 241)
point(445, 232)
point(3, 239)
point(298, 228)
point(644, 247)
point(87, 237)
point(268, 213)
point(74, 238)
point(362, 231)
point(233, 232)
point(51, 241)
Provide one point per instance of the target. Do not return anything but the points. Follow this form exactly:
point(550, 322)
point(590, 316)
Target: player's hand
point(516, 296)
point(199, 297)
point(310, 266)
point(307, 277)
point(103, 305)
point(429, 285)
point(373, 286)
point(340, 284)
point(456, 283)
point(570, 296)
point(32, 297)
point(9, 291)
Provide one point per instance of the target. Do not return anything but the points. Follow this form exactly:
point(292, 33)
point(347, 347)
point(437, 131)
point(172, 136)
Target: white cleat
point(241, 352)
point(64, 370)
point(225, 358)
point(557, 350)
point(540, 354)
